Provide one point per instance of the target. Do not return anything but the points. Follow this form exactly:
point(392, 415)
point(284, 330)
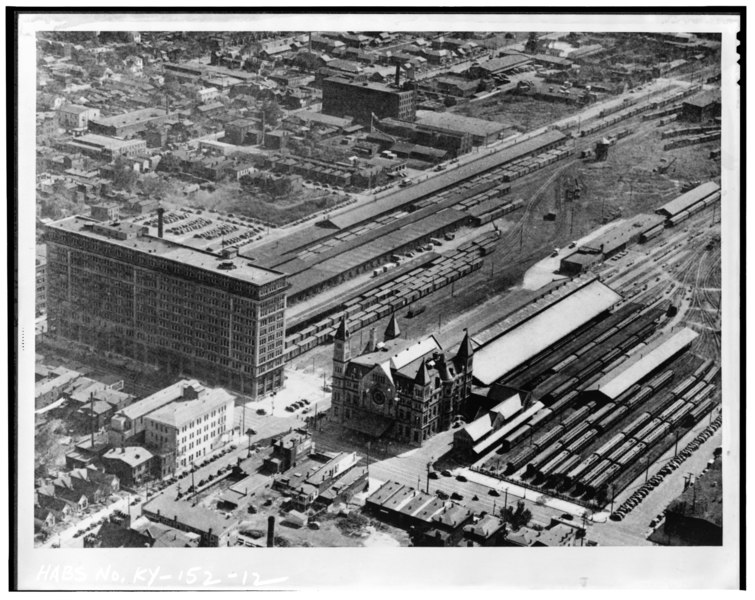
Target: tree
point(272, 112)
point(516, 517)
point(530, 47)
point(124, 178)
point(449, 101)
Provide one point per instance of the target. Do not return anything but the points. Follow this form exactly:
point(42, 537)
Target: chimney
point(160, 212)
point(372, 342)
point(398, 74)
point(270, 531)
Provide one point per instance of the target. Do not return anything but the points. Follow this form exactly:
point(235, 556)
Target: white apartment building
point(75, 116)
point(192, 428)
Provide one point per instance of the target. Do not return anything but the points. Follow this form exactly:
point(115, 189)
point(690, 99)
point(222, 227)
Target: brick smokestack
point(398, 74)
point(270, 531)
point(160, 212)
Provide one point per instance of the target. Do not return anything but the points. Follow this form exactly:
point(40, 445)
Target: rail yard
point(483, 335)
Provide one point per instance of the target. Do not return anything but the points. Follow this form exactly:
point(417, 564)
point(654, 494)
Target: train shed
point(619, 380)
point(689, 200)
point(501, 355)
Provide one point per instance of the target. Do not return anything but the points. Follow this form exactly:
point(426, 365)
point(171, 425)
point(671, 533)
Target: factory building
point(407, 391)
point(361, 100)
point(119, 288)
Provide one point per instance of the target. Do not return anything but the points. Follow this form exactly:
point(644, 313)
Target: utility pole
point(676, 442)
point(613, 495)
point(91, 416)
point(647, 468)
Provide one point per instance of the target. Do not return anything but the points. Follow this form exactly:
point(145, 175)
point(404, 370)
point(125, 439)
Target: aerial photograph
point(377, 289)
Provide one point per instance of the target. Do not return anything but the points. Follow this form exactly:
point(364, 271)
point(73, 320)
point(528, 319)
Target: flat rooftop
point(447, 120)
point(369, 85)
point(238, 268)
point(131, 118)
point(103, 141)
point(177, 414)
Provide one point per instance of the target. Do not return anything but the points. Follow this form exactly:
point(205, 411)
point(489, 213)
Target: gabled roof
point(527, 339)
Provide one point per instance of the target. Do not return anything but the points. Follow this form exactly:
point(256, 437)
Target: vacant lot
point(521, 113)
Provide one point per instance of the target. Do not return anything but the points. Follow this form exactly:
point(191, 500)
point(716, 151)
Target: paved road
point(633, 529)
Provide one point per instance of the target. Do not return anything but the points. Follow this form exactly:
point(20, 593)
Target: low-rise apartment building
point(191, 428)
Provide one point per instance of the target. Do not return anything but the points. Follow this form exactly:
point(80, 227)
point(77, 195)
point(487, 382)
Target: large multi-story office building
point(118, 287)
point(342, 97)
point(399, 389)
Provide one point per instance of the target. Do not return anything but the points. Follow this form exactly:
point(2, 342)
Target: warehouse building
point(482, 131)
point(75, 116)
point(501, 65)
point(610, 243)
point(407, 391)
point(128, 124)
point(344, 98)
point(213, 528)
point(105, 147)
point(702, 107)
point(501, 355)
point(119, 288)
point(430, 520)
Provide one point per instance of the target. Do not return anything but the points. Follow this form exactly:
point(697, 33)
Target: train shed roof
point(503, 354)
point(688, 199)
point(620, 379)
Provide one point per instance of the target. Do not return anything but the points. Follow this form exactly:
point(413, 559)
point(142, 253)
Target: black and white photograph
point(291, 283)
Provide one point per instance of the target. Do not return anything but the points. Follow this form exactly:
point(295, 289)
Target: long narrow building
point(215, 316)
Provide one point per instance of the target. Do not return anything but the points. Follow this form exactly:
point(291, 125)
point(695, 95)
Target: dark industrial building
point(120, 288)
point(361, 100)
point(613, 241)
point(702, 107)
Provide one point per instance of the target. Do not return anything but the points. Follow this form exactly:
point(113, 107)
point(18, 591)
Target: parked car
point(446, 473)
point(461, 478)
